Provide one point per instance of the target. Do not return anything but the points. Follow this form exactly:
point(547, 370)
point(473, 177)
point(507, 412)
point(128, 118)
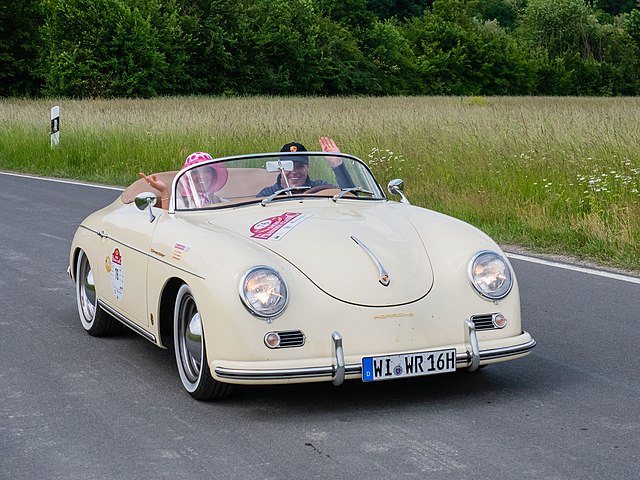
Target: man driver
point(299, 176)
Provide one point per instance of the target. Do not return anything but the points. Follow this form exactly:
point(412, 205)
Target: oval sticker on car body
point(274, 228)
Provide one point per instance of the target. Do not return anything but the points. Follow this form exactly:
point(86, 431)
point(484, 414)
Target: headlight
point(490, 275)
point(263, 292)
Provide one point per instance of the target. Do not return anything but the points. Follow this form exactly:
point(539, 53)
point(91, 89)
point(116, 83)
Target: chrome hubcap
point(87, 291)
point(190, 339)
point(194, 339)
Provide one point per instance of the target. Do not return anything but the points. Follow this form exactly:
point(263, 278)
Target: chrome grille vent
point(483, 322)
point(291, 338)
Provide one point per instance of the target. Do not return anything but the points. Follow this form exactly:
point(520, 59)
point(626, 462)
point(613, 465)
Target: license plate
point(408, 365)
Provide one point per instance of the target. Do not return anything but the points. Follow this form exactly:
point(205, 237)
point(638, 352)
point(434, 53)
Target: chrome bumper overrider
point(339, 370)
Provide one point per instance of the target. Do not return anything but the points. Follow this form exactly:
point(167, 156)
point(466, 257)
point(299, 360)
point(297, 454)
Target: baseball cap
point(295, 147)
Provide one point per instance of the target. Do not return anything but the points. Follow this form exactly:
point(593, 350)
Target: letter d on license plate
point(408, 365)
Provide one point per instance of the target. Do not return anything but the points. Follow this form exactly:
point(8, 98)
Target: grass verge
point(554, 175)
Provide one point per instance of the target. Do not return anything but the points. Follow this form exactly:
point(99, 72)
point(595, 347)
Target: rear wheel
point(190, 350)
point(94, 320)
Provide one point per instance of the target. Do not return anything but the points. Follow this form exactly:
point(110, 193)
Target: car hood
point(344, 250)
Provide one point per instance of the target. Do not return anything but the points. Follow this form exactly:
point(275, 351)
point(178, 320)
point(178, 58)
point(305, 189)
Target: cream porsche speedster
point(295, 267)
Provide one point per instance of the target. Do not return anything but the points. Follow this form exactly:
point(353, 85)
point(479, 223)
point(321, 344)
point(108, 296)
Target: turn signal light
point(499, 320)
point(272, 340)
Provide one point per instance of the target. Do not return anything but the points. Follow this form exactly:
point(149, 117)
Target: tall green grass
point(557, 175)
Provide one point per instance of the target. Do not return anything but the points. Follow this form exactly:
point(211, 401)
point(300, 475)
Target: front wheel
point(94, 320)
point(191, 354)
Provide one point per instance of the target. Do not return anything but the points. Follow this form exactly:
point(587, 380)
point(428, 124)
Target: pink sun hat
point(222, 175)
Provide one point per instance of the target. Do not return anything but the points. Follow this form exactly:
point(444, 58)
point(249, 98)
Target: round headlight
point(490, 275)
point(263, 292)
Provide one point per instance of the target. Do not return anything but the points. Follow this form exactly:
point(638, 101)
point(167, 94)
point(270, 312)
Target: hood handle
point(383, 277)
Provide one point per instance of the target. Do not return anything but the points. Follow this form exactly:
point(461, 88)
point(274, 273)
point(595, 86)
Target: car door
point(124, 248)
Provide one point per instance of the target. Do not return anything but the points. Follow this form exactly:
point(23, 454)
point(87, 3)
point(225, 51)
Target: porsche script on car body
point(277, 277)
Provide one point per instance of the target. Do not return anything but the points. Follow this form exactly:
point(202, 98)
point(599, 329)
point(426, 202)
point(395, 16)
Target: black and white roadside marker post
point(55, 126)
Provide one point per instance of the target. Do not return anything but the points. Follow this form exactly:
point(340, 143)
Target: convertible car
point(295, 267)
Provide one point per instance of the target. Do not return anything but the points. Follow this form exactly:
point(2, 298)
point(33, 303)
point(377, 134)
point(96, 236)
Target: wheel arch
point(74, 262)
point(167, 306)
point(84, 240)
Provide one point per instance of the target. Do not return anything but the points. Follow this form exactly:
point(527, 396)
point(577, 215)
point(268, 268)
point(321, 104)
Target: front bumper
point(471, 359)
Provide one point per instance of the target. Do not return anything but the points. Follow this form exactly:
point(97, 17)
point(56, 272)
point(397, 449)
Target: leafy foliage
point(579, 55)
point(502, 11)
point(615, 7)
point(632, 26)
point(400, 9)
point(146, 48)
point(102, 48)
point(559, 25)
point(457, 56)
point(19, 22)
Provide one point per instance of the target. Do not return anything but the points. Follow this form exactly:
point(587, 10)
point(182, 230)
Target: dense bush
point(19, 23)
point(577, 54)
point(459, 56)
point(146, 48)
point(103, 48)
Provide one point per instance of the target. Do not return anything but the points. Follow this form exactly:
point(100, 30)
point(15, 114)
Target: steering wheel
point(294, 190)
point(319, 188)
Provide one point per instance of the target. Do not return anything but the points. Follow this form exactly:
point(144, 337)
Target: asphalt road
point(77, 407)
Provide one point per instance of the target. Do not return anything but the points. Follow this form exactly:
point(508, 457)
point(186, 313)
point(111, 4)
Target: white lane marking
point(57, 180)
point(565, 266)
point(48, 235)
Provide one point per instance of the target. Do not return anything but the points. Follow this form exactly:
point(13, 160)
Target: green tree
point(352, 14)
point(284, 47)
point(19, 22)
point(207, 61)
point(632, 27)
point(614, 7)
point(456, 56)
point(143, 48)
point(559, 26)
point(263, 44)
point(109, 48)
point(340, 64)
point(393, 59)
point(577, 55)
point(503, 11)
point(399, 9)
point(173, 40)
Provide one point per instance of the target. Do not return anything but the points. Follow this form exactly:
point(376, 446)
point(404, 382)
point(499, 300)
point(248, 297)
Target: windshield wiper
point(287, 190)
point(344, 191)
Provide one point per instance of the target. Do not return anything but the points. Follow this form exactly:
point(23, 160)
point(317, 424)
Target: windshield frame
point(379, 193)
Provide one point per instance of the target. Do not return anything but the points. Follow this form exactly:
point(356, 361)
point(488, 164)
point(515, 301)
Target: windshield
point(266, 178)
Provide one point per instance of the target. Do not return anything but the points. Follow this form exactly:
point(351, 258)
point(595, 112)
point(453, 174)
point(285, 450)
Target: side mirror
point(396, 187)
point(146, 200)
point(279, 165)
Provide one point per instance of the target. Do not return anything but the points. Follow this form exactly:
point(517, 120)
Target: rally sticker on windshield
point(274, 228)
